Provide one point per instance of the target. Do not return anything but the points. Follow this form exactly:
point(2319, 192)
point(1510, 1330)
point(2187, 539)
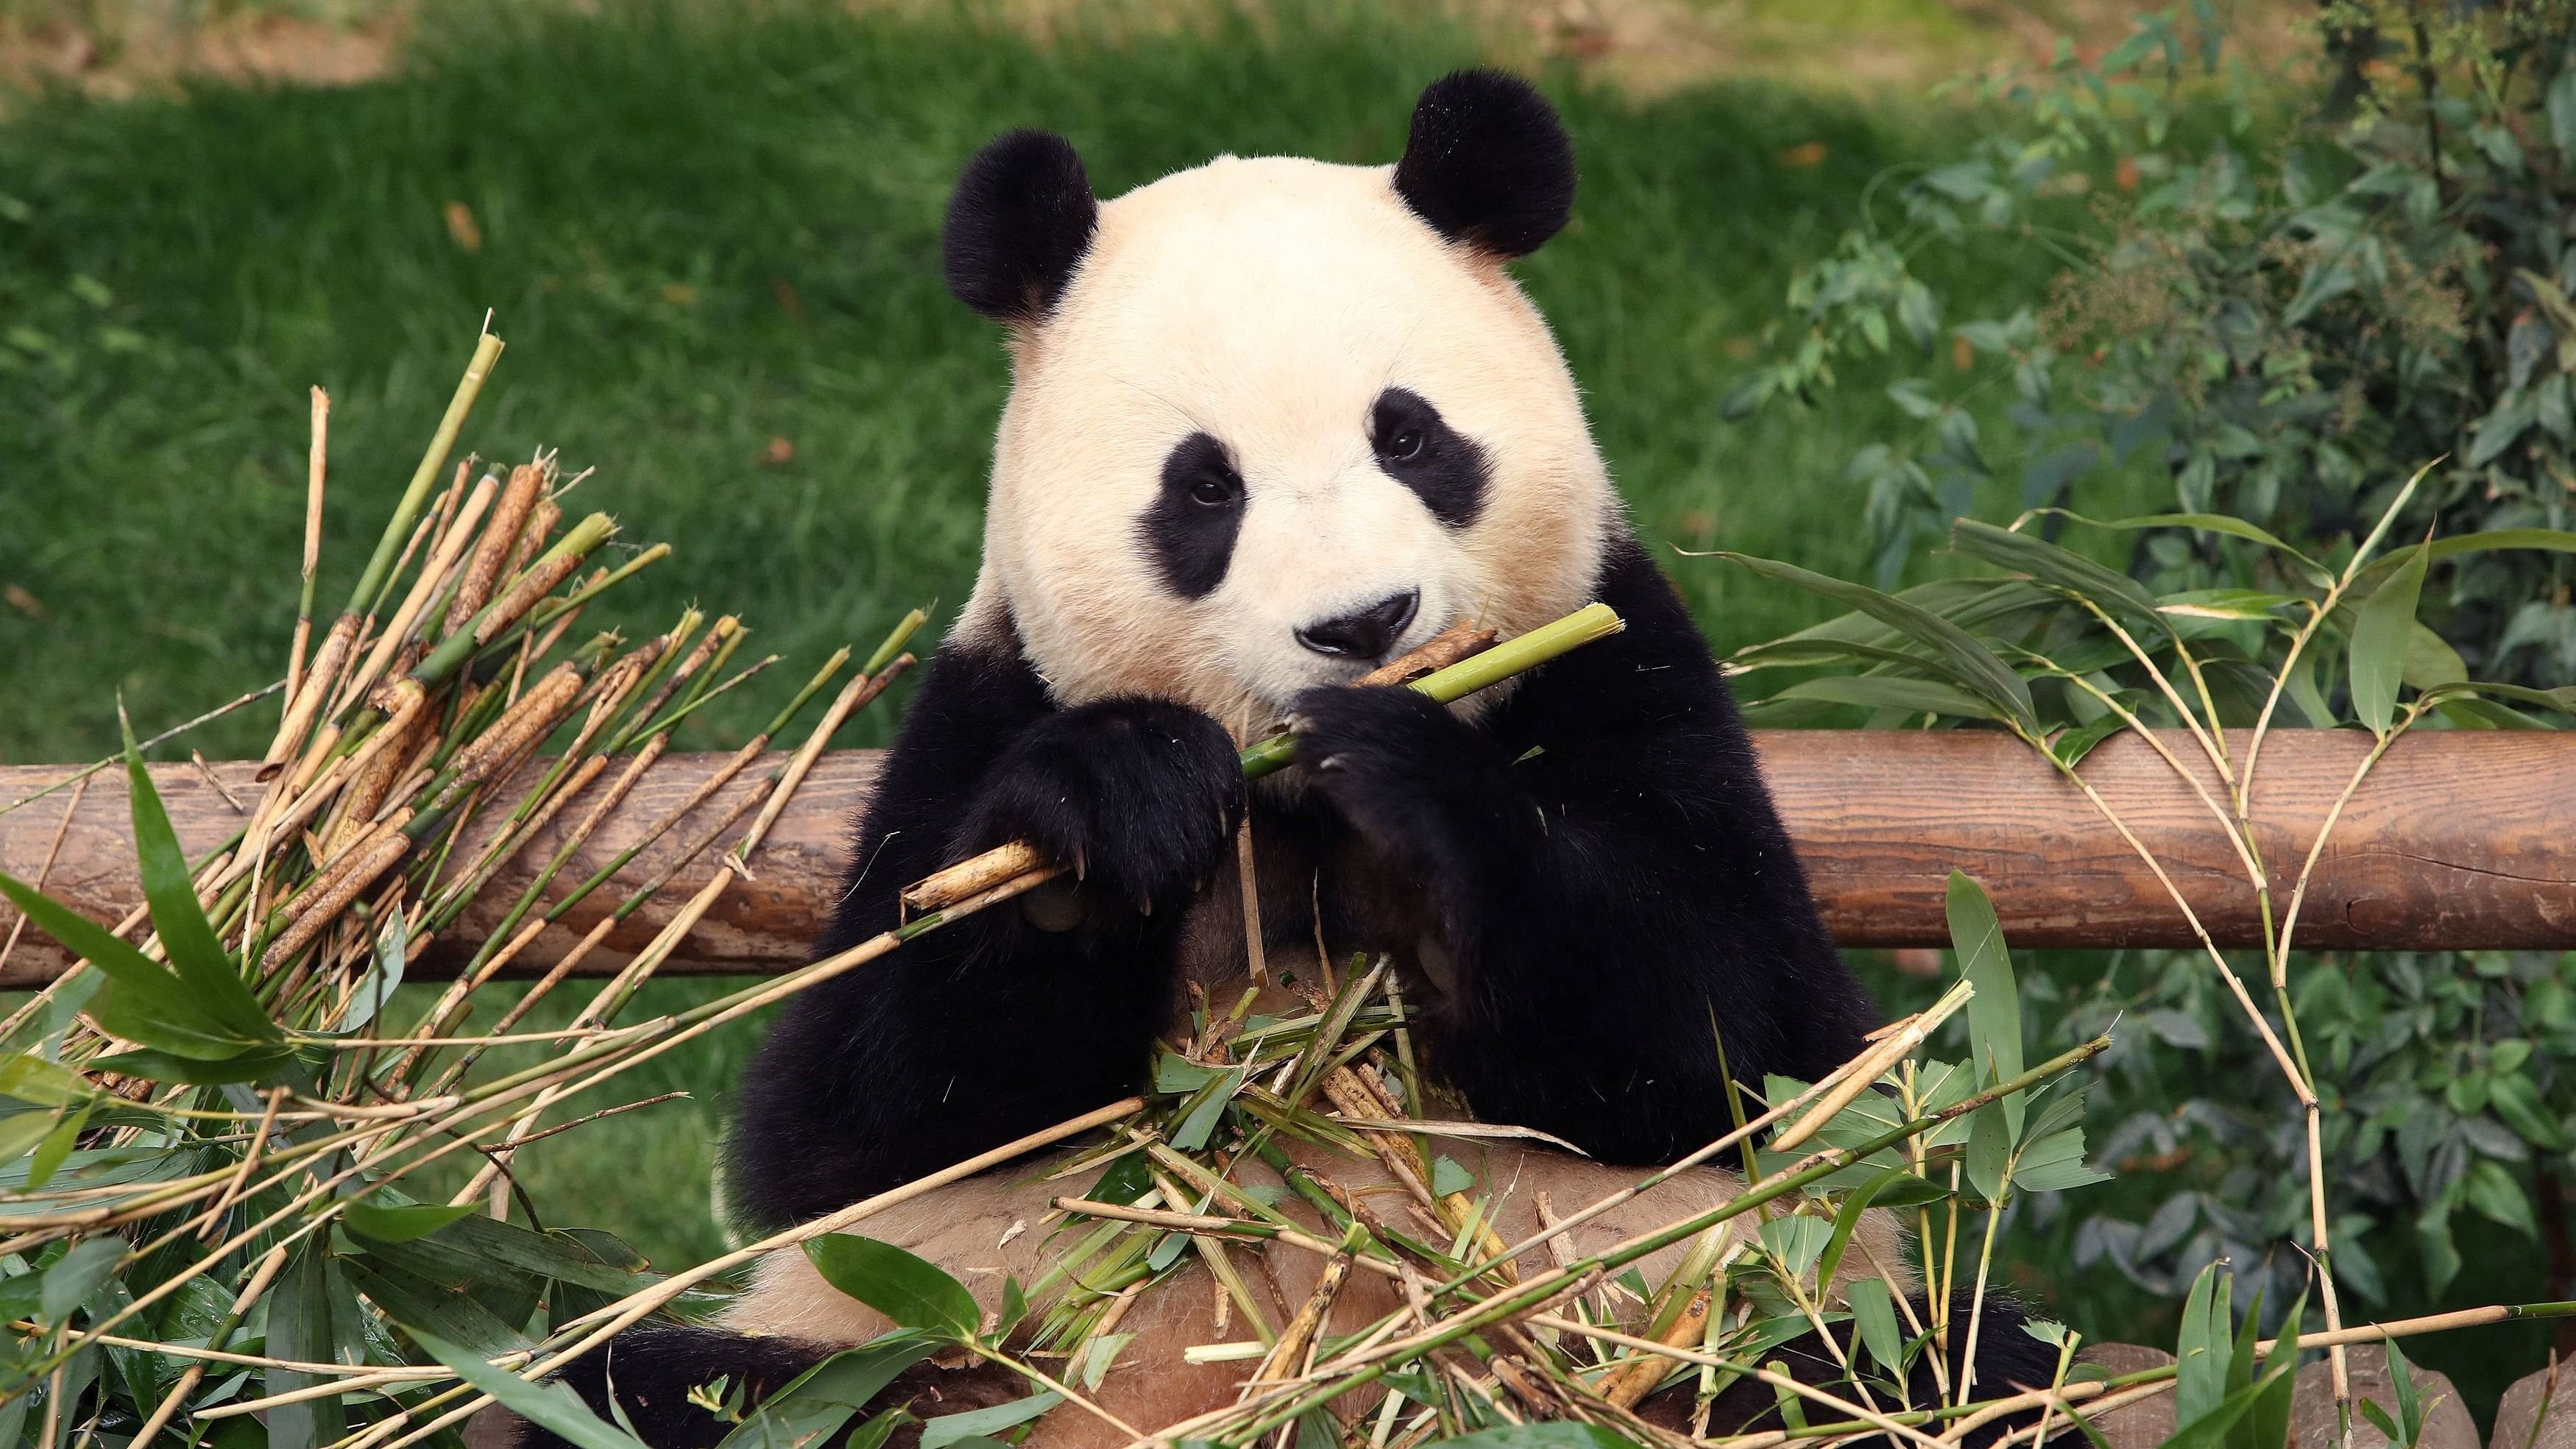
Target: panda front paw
point(1139, 796)
point(1406, 773)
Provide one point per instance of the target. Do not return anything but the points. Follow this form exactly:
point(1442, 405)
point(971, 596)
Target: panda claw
point(1329, 762)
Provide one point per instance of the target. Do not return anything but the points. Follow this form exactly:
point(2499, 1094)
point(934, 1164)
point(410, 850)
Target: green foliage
point(2307, 315)
point(2277, 302)
point(2444, 1080)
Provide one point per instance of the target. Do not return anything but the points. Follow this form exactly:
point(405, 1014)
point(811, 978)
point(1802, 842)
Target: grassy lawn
point(712, 248)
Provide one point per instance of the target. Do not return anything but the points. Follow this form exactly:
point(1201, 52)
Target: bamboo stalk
point(371, 580)
point(316, 466)
point(493, 549)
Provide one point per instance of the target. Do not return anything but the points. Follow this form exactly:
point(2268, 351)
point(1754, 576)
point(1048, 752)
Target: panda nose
point(1365, 634)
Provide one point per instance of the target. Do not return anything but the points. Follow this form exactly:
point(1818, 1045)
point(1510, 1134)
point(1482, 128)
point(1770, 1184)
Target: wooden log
point(2458, 839)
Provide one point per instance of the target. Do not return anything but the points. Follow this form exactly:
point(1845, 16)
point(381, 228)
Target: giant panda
point(1272, 422)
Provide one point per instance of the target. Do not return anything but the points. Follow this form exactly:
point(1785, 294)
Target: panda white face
point(1272, 429)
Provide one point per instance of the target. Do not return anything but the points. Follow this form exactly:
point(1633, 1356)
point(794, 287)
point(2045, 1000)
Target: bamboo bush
point(214, 1141)
point(2063, 653)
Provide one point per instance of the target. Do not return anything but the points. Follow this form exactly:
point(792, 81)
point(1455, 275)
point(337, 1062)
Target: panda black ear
point(1020, 220)
point(1488, 163)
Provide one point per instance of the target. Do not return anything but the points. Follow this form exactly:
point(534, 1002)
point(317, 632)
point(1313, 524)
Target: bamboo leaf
point(144, 1002)
point(557, 1255)
point(1990, 1154)
point(400, 1224)
point(1795, 652)
point(1875, 1315)
point(427, 1309)
point(2049, 564)
point(1985, 673)
point(817, 1402)
point(1448, 1176)
point(1968, 603)
point(300, 1328)
point(77, 1274)
point(1198, 1124)
point(30, 1078)
point(186, 936)
point(948, 1429)
point(2209, 523)
point(1888, 691)
point(2550, 540)
point(2379, 638)
point(2431, 661)
point(2071, 746)
point(2240, 1359)
point(1855, 1203)
point(551, 1406)
point(2211, 1430)
point(2201, 1348)
point(1994, 1013)
point(56, 1146)
point(160, 1066)
point(897, 1284)
point(2226, 604)
point(384, 973)
point(2410, 1405)
point(2554, 540)
point(1795, 1239)
point(2268, 1422)
point(21, 1131)
point(2562, 699)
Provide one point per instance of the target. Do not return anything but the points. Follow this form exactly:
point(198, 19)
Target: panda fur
point(1272, 422)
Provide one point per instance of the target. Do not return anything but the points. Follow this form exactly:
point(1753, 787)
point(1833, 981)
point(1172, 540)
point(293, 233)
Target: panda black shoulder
point(978, 690)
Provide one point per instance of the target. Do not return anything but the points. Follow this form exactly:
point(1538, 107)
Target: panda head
point(1275, 421)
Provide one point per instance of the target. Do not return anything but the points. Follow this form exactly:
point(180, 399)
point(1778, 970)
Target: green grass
point(699, 236)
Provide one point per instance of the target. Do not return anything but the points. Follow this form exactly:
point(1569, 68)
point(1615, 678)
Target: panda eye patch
point(1190, 529)
point(1417, 448)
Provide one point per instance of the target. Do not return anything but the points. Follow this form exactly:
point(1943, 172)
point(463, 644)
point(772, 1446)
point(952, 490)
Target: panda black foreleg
point(1014, 1018)
point(1605, 917)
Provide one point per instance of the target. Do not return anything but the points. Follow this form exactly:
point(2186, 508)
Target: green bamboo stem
point(1480, 671)
point(552, 609)
point(689, 662)
point(371, 582)
point(894, 642)
point(708, 696)
point(806, 695)
point(644, 699)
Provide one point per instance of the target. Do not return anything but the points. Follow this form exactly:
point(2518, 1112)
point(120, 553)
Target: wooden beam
point(2457, 840)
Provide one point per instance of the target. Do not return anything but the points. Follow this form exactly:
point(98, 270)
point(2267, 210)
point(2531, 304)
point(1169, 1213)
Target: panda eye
point(1212, 491)
point(1406, 445)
